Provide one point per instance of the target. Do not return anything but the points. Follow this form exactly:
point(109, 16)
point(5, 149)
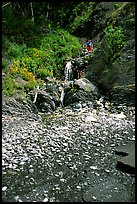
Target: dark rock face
point(45, 102)
point(120, 71)
point(123, 94)
point(54, 95)
point(82, 90)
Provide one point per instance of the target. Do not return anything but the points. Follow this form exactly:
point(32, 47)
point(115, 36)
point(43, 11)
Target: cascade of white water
point(68, 71)
point(62, 96)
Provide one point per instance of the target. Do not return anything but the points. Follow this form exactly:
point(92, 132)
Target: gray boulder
point(81, 90)
point(45, 102)
point(85, 85)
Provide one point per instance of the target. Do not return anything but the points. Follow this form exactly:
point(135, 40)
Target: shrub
point(4, 64)
point(17, 70)
point(46, 60)
point(81, 14)
point(114, 38)
point(113, 42)
point(9, 86)
point(30, 85)
point(43, 73)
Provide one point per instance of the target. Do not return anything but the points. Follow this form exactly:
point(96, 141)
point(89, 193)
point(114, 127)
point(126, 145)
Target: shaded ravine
point(67, 156)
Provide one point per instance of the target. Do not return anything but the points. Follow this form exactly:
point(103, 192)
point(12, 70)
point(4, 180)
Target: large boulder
point(85, 85)
point(123, 94)
point(45, 102)
point(81, 90)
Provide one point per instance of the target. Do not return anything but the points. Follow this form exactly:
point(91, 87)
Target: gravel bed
point(58, 157)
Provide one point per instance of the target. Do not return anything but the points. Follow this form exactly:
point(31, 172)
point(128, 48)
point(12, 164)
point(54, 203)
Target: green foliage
point(114, 38)
point(4, 64)
point(16, 50)
point(117, 5)
point(4, 42)
point(113, 42)
point(73, 89)
point(40, 83)
point(111, 46)
point(49, 56)
point(9, 85)
point(82, 14)
point(43, 73)
point(44, 61)
point(30, 85)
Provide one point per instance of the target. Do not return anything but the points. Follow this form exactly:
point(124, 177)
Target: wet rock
point(127, 163)
point(45, 101)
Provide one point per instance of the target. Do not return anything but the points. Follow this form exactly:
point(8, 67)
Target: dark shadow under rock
point(127, 163)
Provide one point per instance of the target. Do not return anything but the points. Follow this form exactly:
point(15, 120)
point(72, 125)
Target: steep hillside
point(43, 42)
point(111, 26)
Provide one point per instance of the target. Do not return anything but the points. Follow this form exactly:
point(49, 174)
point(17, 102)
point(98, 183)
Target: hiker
point(89, 46)
point(80, 71)
point(80, 68)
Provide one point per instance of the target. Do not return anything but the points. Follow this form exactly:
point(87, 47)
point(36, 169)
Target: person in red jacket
point(89, 46)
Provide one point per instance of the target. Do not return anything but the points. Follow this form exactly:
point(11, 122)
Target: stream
point(67, 156)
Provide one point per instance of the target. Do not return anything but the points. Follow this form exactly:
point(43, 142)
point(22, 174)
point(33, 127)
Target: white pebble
point(25, 159)
point(16, 197)
point(62, 180)
point(4, 188)
point(107, 171)
point(93, 167)
point(31, 171)
point(45, 200)
point(22, 163)
point(78, 187)
point(10, 166)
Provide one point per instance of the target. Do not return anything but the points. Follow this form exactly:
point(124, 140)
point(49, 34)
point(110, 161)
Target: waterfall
point(62, 96)
point(36, 94)
point(68, 71)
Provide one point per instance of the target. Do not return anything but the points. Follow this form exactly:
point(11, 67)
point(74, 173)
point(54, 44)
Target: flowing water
point(68, 71)
point(62, 96)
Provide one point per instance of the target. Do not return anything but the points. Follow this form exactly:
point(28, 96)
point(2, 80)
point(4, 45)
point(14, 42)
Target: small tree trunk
point(6, 4)
point(32, 13)
point(47, 15)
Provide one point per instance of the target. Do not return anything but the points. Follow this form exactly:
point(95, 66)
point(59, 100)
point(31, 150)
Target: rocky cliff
point(112, 67)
